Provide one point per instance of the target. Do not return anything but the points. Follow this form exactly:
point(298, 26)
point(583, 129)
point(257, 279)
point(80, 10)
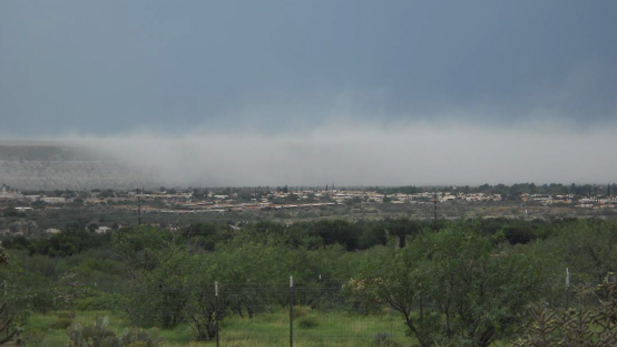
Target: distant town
point(31, 213)
point(221, 200)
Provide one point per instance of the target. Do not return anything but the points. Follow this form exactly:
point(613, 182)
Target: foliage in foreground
point(7, 329)
point(581, 327)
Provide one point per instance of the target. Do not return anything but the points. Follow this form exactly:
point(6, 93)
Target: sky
point(321, 75)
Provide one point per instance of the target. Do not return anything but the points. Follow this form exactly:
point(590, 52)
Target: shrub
point(30, 337)
point(39, 300)
point(98, 335)
point(65, 319)
point(384, 340)
point(98, 300)
point(308, 323)
point(301, 311)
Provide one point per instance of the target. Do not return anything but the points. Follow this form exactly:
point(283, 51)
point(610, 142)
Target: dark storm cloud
point(112, 67)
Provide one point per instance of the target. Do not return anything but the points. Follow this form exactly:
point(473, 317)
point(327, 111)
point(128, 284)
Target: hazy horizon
point(407, 154)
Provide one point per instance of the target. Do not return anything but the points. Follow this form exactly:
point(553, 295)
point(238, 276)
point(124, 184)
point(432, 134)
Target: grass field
point(311, 329)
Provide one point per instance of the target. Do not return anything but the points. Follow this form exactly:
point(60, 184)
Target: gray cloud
point(351, 91)
point(113, 67)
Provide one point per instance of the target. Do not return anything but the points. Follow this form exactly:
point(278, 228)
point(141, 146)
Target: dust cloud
point(369, 154)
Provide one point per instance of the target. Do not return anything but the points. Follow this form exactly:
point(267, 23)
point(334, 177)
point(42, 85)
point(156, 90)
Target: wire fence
point(224, 314)
point(301, 314)
point(319, 313)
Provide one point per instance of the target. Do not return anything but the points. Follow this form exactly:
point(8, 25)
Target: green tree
point(160, 296)
point(451, 289)
point(142, 247)
point(587, 247)
point(203, 235)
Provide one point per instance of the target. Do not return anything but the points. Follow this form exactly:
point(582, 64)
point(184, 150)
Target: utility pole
point(435, 210)
point(138, 211)
point(139, 206)
point(567, 287)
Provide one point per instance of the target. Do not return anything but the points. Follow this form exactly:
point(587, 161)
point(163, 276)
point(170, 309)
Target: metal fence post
point(291, 311)
point(216, 311)
point(567, 288)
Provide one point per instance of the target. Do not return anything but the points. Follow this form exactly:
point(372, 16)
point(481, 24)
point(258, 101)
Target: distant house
point(53, 200)
point(102, 230)
point(6, 193)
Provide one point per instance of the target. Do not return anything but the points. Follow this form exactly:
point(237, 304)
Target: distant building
point(6, 193)
point(53, 200)
point(102, 230)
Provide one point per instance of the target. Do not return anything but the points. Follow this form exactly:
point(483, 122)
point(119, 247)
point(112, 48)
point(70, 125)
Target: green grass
point(338, 329)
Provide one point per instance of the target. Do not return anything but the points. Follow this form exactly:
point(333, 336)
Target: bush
point(301, 311)
point(41, 301)
point(31, 337)
point(308, 323)
point(100, 301)
point(384, 340)
point(98, 335)
point(65, 319)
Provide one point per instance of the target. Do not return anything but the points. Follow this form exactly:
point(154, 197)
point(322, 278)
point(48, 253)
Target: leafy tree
point(402, 228)
point(587, 247)
point(337, 231)
point(203, 235)
point(451, 289)
point(160, 295)
point(372, 234)
point(142, 247)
